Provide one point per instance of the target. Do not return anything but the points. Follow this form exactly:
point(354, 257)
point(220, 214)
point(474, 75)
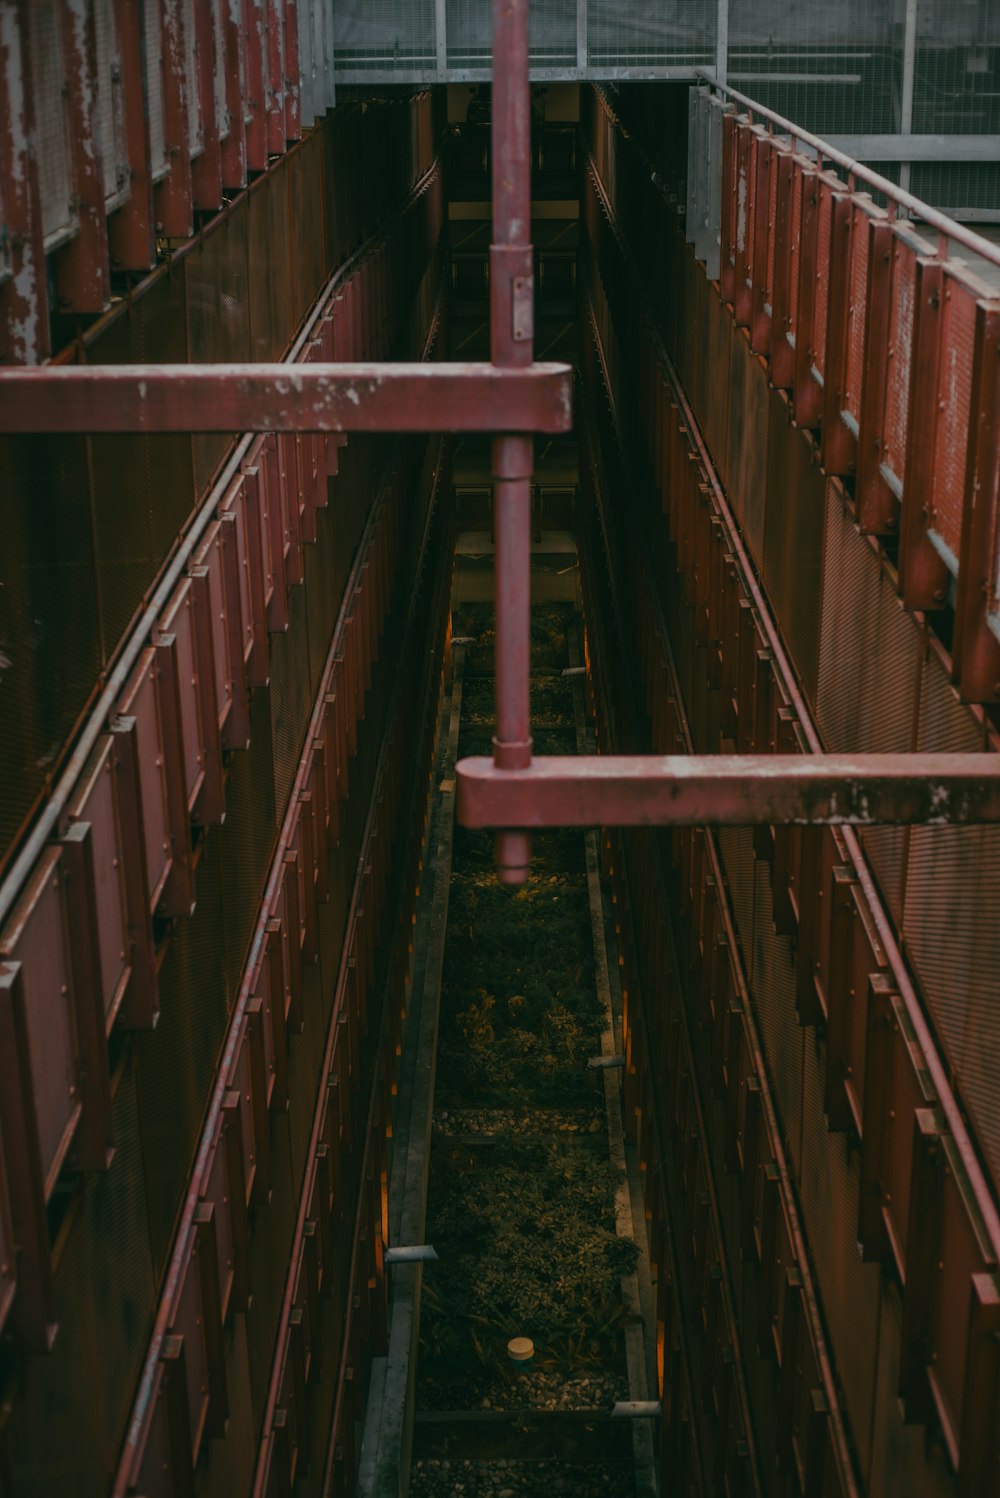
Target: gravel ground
point(498, 1479)
point(452, 1122)
point(553, 1391)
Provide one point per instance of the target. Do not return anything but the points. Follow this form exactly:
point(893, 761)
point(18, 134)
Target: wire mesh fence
point(837, 67)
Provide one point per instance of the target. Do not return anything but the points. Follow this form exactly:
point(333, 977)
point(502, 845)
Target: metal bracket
point(418, 1253)
point(523, 309)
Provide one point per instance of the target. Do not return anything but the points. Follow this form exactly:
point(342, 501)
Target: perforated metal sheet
point(951, 922)
point(104, 1304)
point(747, 444)
point(52, 151)
point(142, 486)
point(829, 1189)
point(289, 693)
point(869, 671)
point(191, 79)
point(153, 49)
point(793, 537)
point(957, 90)
point(109, 123)
point(715, 399)
point(219, 70)
point(821, 307)
point(773, 990)
point(247, 835)
point(794, 254)
point(384, 35)
point(552, 33)
point(176, 1061)
point(856, 312)
point(958, 326)
point(217, 277)
point(736, 844)
point(50, 636)
point(897, 393)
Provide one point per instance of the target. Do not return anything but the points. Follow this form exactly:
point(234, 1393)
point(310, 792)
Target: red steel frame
point(249, 48)
point(889, 349)
point(515, 397)
point(936, 1226)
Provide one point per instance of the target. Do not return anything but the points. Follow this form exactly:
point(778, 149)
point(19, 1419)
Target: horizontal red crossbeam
point(730, 790)
point(286, 398)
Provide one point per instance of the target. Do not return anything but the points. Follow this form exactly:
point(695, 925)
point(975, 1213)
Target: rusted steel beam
point(131, 230)
point(286, 398)
point(24, 294)
point(173, 195)
point(82, 271)
point(731, 790)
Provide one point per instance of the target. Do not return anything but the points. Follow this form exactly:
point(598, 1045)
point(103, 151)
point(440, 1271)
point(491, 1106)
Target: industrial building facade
point(685, 317)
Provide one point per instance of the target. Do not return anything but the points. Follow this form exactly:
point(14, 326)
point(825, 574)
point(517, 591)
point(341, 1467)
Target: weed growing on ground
point(524, 1225)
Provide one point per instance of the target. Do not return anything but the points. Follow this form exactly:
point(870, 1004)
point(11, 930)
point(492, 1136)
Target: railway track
point(529, 1208)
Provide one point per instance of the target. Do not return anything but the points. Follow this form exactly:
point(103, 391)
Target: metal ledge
point(731, 790)
point(472, 397)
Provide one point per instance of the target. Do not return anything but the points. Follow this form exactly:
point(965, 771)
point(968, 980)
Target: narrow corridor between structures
point(523, 1191)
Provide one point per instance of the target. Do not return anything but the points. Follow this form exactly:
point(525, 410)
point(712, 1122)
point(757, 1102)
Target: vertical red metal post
point(512, 338)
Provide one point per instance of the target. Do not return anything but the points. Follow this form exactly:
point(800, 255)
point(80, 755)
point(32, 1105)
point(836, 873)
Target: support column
point(441, 38)
point(906, 90)
point(582, 51)
point(512, 288)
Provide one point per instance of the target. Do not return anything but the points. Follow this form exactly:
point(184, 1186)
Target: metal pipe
point(511, 343)
point(896, 195)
